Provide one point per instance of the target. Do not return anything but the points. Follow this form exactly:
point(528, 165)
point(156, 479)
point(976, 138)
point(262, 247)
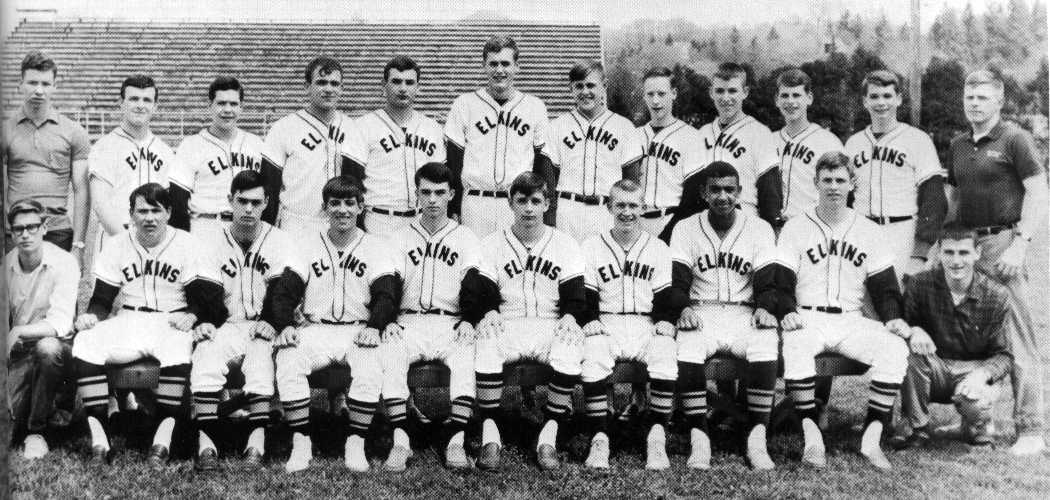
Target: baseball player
point(633, 309)
point(442, 301)
point(743, 142)
point(592, 148)
point(307, 149)
point(346, 281)
point(826, 259)
point(165, 290)
point(536, 276)
point(722, 261)
point(493, 134)
point(900, 181)
point(671, 153)
point(800, 143)
point(391, 143)
point(127, 157)
point(208, 161)
point(250, 256)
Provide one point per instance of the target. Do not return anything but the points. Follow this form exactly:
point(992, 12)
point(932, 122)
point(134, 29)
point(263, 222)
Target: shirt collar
point(48, 256)
point(992, 134)
point(973, 293)
point(52, 116)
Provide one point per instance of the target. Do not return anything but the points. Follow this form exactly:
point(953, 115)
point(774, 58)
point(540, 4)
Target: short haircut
point(140, 82)
point(39, 61)
point(402, 63)
point(985, 77)
point(25, 206)
point(731, 70)
point(719, 170)
point(435, 172)
point(323, 65)
point(881, 78)
point(154, 194)
point(245, 180)
point(957, 232)
point(225, 83)
point(626, 185)
point(659, 72)
point(343, 187)
point(496, 45)
point(833, 160)
point(582, 69)
point(793, 77)
point(528, 183)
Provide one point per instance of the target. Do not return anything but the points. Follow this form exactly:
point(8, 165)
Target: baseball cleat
point(1028, 445)
point(598, 458)
point(488, 458)
point(757, 453)
point(700, 452)
point(397, 460)
point(656, 456)
point(456, 457)
point(302, 453)
point(34, 447)
point(158, 456)
point(207, 461)
point(547, 457)
point(354, 454)
point(871, 447)
point(100, 455)
point(877, 458)
point(253, 458)
point(813, 452)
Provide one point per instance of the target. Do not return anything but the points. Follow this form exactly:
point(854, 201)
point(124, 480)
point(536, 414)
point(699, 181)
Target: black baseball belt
point(439, 312)
point(150, 309)
point(824, 309)
point(329, 322)
point(882, 221)
point(396, 213)
point(226, 216)
point(990, 230)
point(487, 194)
point(593, 199)
point(709, 302)
point(656, 214)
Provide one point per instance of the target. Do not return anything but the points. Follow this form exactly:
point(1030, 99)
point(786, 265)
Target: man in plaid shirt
point(961, 325)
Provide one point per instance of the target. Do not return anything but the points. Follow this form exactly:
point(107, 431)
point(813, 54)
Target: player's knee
point(764, 346)
point(891, 360)
point(48, 350)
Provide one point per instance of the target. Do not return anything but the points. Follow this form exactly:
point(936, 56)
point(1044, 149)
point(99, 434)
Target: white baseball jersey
point(338, 280)
point(669, 157)
point(207, 165)
point(154, 277)
point(592, 153)
point(309, 153)
point(831, 264)
point(126, 163)
point(391, 154)
point(798, 156)
point(498, 141)
point(528, 277)
point(433, 265)
point(723, 267)
point(246, 272)
point(626, 279)
point(890, 169)
point(747, 146)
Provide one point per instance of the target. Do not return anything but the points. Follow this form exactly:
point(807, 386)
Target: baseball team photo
point(525, 249)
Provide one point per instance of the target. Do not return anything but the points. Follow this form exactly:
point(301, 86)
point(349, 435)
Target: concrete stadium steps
point(96, 55)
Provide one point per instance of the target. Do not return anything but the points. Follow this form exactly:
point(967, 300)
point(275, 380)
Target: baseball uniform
point(206, 168)
point(747, 145)
point(499, 141)
point(591, 156)
point(309, 152)
point(670, 156)
point(391, 154)
point(798, 156)
point(890, 169)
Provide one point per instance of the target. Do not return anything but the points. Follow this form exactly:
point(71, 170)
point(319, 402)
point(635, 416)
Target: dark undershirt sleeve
point(472, 299)
point(102, 298)
point(454, 160)
point(267, 313)
point(770, 195)
point(273, 178)
point(288, 292)
point(593, 300)
point(668, 304)
point(543, 167)
point(933, 207)
point(180, 207)
point(382, 309)
point(764, 286)
point(633, 170)
point(572, 299)
point(784, 281)
point(678, 298)
point(205, 300)
point(885, 294)
point(351, 168)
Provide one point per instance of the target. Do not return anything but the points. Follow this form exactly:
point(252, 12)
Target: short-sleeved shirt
point(126, 163)
point(748, 146)
point(626, 279)
point(723, 267)
point(670, 156)
point(47, 293)
point(246, 272)
point(207, 165)
point(890, 168)
point(798, 164)
point(40, 158)
point(529, 277)
point(309, 152)
point(433, 265)
point(591, 154)
point(989, 174)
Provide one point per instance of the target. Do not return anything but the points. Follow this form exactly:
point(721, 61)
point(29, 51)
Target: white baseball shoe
point(813, 452)
point(656, 449)
point(354, 454)
point(871, 447)
point(700, 450)
point(598, 458)
point(1028, 445)
point(302, 453)
point(35, 447)
point(757, 453)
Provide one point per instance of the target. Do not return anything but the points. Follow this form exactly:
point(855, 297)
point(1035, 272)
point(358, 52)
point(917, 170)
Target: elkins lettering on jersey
point(433, 251)
point(390, 143)
point(724, 260)
point(151, 267)
point(312, 140)
point(841, 248)
point(881, 153)
point(349, 262)
point(506, 119)
point(237, 159)
point(797, 151)
point(727, 142)
point(596, 134)
point(663, 152)
point(631, 269)
point(252, 260)
point(154, 161)
point(535, 264)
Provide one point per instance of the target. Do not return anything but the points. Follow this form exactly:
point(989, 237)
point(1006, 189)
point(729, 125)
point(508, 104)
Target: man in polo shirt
point(42, 295)
point(997, 187)
point(44, 154)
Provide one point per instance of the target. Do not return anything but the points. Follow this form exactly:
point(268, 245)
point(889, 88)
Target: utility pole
point(916, 66)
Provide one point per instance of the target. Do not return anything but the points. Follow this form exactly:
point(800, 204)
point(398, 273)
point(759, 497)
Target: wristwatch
point(79, 245)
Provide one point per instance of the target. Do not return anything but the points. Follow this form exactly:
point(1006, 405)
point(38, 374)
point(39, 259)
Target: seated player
point(826, 258)
point(347, 283)
point(165, 289)
point(535, 314)
point(722, 262)
point(960, 343)
point(251, 255)
point(632, 309)
point(441, 303)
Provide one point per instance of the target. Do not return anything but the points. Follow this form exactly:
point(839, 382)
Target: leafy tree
point(942, 110)
point(1040, 87)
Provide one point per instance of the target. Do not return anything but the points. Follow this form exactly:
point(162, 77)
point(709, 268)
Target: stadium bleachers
point(269, 58)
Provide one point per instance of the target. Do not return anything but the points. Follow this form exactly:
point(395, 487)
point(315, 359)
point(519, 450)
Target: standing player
point(250, 256)
point(348, 286)
point(800, 143)
point(442, 302)
point(127, 157)
point(592, 148)
point(391, 143)
point(722, 262)
point(826, 259)
point(208, 161)
point(633, 309)
point(900, 182)
point(743, 142)
point(537, 312)
point(165, 289)
point(307, 148)
point(494, 134)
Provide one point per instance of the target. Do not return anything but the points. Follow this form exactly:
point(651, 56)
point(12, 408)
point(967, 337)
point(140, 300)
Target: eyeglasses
point(30, 228)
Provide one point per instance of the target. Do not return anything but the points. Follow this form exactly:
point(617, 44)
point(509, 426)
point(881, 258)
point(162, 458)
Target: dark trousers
point(35, 373)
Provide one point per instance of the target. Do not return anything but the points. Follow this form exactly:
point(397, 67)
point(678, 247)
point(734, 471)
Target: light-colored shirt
point(47, 293)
